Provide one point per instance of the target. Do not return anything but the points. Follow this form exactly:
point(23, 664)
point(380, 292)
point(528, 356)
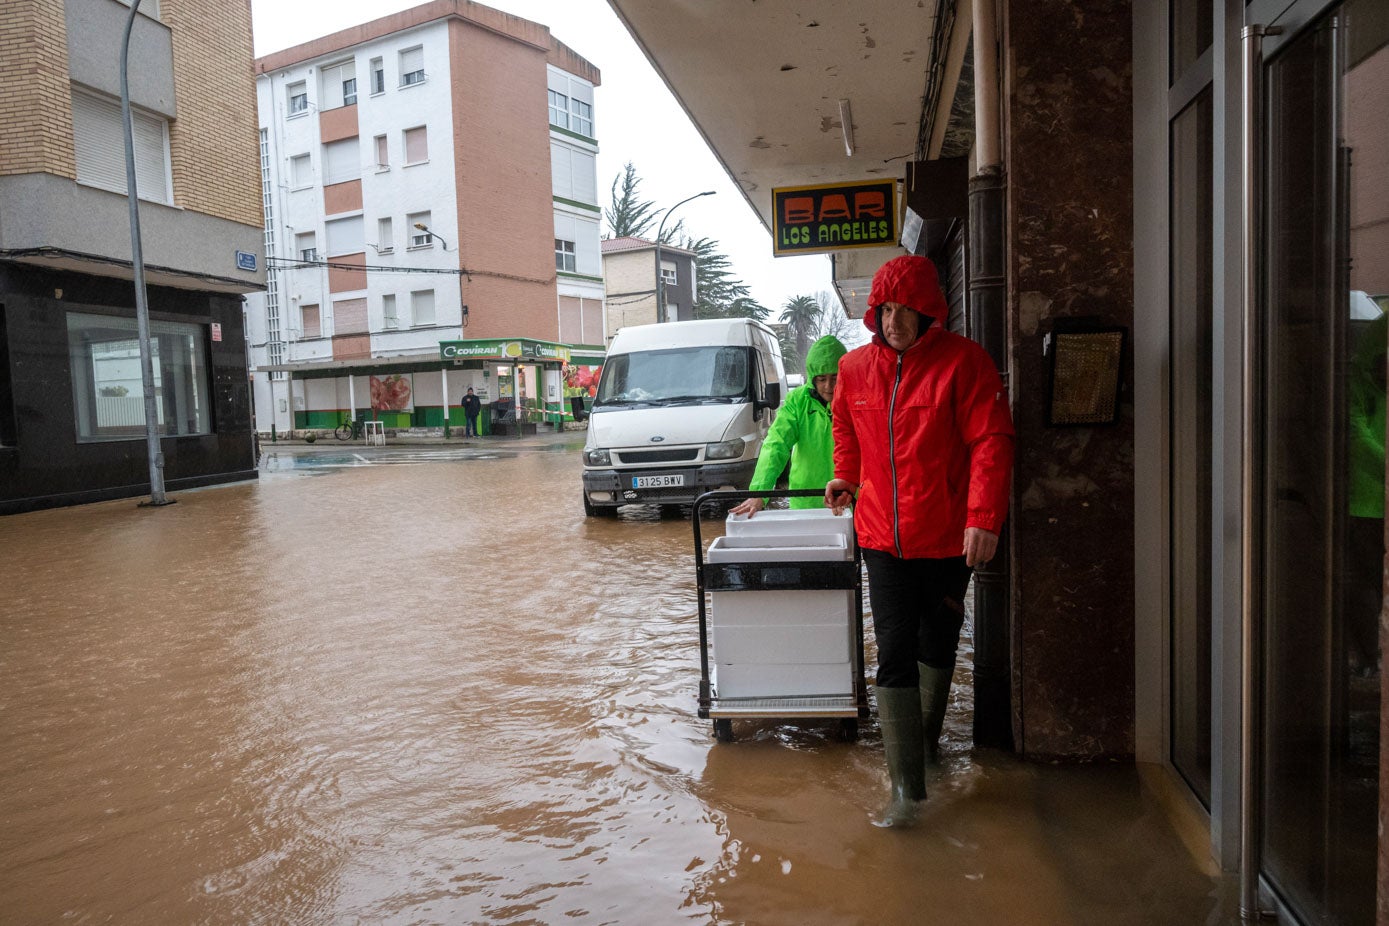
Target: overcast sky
point(635, 117)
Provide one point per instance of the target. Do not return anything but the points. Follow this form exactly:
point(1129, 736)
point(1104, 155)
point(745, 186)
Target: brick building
point(71, 394)
point(629, 273)
point(430, 183)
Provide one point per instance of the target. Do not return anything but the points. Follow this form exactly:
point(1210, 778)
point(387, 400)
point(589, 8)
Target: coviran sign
point(834, 216)
point(516, 349)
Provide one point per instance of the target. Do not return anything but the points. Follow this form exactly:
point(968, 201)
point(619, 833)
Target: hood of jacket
point(823, 357)
point(910, 281)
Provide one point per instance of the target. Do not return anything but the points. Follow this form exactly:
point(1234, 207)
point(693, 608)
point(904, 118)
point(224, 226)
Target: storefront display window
point(107, 386)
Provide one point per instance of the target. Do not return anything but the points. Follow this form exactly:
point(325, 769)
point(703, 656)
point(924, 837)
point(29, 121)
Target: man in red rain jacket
point(923, 437)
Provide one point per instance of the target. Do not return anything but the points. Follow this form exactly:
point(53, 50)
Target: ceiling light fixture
point(846, 123)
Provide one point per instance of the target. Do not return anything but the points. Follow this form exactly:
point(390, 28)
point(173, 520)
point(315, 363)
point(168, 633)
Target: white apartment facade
point(404, 165)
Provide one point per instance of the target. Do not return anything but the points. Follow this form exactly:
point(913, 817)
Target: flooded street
point(434, 692)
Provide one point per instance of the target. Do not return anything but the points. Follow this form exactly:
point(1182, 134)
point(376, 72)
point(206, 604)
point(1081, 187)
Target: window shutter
point(584, 177)
point(341, 162)
point(416, 145)
point(344, 236)
point(412, 66)
point(100, 145)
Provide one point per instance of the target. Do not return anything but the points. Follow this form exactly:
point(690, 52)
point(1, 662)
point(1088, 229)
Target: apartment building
point(629, 272)
point(72, 419)
point(430, 195)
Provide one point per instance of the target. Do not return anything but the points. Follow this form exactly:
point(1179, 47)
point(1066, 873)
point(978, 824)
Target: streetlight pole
point(660, 283)
point(153, 449)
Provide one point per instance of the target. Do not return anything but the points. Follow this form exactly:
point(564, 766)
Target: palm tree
point(802, 317)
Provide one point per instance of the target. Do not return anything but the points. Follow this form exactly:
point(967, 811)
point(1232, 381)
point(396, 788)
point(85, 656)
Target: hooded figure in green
point(801, 432)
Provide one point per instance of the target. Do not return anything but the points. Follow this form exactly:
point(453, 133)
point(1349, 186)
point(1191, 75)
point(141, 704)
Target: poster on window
point(392, 393)
point(580, 379)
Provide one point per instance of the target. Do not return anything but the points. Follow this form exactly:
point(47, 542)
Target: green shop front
point(426, 390)
point(523, 383)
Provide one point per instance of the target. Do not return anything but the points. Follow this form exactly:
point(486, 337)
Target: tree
point(719, 294)
point(802, 317)
point(629, 214)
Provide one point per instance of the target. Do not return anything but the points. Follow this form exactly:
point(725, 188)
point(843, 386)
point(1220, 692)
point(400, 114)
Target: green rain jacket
point(1367, 414)
point(801, 432)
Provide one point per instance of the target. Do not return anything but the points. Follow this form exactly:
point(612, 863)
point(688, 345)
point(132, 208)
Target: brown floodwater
point(435, 692)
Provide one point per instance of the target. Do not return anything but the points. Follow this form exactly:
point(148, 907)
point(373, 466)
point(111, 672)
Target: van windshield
point(681, 375)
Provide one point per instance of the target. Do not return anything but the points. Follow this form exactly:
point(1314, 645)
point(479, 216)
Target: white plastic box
point(792, 642)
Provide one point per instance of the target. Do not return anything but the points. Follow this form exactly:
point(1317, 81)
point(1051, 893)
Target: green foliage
point(630, 215)
point(802, 317)
point(719, 294)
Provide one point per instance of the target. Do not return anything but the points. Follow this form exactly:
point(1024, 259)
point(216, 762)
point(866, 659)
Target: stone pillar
point(1068, 158)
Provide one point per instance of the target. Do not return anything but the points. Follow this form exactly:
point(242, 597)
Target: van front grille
point(674, 455)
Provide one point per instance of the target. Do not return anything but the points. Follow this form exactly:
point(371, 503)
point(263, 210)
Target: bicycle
point(350, 429)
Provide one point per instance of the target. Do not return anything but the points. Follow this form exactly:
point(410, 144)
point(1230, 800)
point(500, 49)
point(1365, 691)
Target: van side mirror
point(773, 399)
point(576, 408)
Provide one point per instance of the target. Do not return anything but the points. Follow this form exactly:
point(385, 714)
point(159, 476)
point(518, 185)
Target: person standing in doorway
point(472, 406)
point(801, 432)
point(923, 439)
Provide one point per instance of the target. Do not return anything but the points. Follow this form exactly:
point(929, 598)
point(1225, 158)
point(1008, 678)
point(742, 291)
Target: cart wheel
point(848, 729)
point(723, 730)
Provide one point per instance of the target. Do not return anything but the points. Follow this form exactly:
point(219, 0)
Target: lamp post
point(660, 283)
point(425, 228)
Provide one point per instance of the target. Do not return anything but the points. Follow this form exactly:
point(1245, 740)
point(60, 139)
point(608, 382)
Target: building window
point(422, 307)
point(418, 237)
point(341, 162)
point(310, 322)
point(300, 172)
point(388, 316)
point(412, 66)
point(672, 312)
point(107, 386)
point(385, 237)
point(339, 85)
point(559, 109)
point(344, 236)
point(378, 76)
point(305, 246)
point(416, 145)
point(383, 153)
point(668, 275)
point(298, 95)
point(98, 134)
point(564, 255)
point(583, 117)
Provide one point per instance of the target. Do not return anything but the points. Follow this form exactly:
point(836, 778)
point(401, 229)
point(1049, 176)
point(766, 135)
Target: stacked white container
point(788, 642)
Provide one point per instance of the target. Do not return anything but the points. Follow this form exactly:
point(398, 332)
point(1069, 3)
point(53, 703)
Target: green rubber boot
point(935, 698)
point(899, 717)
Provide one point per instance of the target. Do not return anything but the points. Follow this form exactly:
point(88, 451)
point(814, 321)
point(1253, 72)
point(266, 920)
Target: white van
point(682, 408)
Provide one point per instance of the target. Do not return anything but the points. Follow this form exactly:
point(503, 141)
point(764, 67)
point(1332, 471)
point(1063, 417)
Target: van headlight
point(598, 458)
point(725, 450)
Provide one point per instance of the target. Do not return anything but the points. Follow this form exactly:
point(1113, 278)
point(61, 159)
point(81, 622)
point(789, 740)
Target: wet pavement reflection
point(437, 693)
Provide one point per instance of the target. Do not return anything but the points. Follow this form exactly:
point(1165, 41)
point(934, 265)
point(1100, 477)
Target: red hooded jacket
point(926, 433)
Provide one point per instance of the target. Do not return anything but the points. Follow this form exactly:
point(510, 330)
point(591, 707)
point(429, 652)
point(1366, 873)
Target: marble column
point(1068, 156)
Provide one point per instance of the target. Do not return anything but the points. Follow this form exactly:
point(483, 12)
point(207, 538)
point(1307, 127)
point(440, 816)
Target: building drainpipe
point(993, 720)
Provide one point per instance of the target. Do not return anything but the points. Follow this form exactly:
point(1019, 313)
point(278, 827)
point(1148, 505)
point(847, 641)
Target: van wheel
point(599, 511)
point(723, 730)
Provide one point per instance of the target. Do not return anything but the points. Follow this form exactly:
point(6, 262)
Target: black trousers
point(918, 610)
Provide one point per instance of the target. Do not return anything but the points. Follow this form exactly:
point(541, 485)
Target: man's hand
point(749, 507)
point(839, 494)
point(980, 546)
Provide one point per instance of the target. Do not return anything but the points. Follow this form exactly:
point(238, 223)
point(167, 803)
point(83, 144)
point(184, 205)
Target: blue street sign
point(245, 260)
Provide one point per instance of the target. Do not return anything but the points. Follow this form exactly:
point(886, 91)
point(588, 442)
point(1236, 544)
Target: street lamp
point(660, 282)
point(425, 228)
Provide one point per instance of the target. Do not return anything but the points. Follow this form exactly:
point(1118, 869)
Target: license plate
point(657, 482)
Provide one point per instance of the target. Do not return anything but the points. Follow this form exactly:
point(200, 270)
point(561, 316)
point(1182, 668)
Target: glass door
point(1323, 354)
